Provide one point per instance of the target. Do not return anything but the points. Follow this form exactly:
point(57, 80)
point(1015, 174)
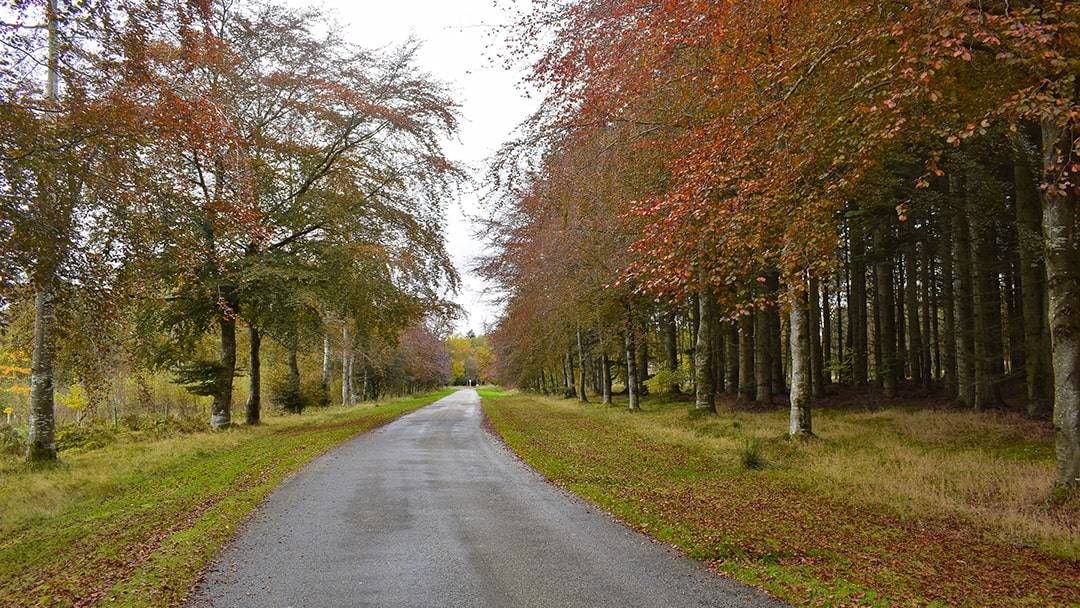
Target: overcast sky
point(456, 37)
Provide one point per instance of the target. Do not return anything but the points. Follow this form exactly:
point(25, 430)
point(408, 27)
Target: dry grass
point(884, 507)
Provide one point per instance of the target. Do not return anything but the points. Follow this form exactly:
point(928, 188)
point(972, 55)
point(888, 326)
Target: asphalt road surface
point(434, 511)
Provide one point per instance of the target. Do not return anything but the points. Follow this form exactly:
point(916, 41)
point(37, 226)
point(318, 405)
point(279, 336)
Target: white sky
point(458, 38)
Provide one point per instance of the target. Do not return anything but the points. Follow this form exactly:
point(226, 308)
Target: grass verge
point(135, 523)
point(894, 507)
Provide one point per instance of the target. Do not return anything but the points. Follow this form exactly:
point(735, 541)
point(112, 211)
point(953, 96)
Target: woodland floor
point(885, 507)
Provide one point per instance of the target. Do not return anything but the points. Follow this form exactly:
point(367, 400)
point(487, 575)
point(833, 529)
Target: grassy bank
point(893, 507)
point(134, 523)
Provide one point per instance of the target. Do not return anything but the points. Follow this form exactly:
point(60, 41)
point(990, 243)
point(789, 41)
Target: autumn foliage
point(871, 194)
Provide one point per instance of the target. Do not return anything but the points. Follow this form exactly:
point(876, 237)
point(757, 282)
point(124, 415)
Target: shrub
point(10, 441)
point(752, 455)
point(287, 398)
point(665, 381)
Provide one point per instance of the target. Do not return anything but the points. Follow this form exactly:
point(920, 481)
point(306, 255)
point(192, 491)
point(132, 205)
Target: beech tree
point(332, 150)
point(838, 162)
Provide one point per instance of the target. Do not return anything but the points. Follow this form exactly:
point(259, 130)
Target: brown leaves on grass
point(772, 530)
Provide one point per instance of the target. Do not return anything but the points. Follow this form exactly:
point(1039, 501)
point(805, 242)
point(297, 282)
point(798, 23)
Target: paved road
point(433, 511)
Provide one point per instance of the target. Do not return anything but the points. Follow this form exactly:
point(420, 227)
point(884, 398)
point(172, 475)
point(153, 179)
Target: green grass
point(134, 523)
point(887, 508)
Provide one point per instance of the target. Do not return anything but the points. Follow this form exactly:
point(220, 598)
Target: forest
point(760, 200)
point(193, 190)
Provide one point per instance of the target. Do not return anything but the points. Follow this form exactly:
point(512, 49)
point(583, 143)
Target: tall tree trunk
point(605, 377)
point(800, 422)
point(704, 399)
point(911, 294)
point(826, 335)
point(949, 335)
point(762, 353)
point(883, 282)
point(631, 363)
point(777, 345)
point(41, 437)
point(581, 368)
point(252, 410)
point(732, 358)
point(927, 336)
point(346, 367)
point(817, 356)
point(671, 348)
point(965, 306)
point(989, 366)
point(326, 364)
point(857, 313)
point(221, 408)
point(1062, 233)
point(747, 354)
point(642, 351)
point(294, 382)
point(1040, 383)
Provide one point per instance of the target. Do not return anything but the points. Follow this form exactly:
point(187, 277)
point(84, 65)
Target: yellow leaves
point(75, 399)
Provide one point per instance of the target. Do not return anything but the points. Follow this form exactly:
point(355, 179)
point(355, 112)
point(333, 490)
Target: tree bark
point(989, 366)
point(581, 368)
point(762, 354)
point(800, 422)
point(704, 399)
point(857, 317)
point(911, 293)
point(346, 367)
point(732, 358)
point(747, 354)
point(671, 348)
point(1033, 312)
point(221, 408)
point(965, 307)
point(41, 439)
point(294, 381)
point(883, 282)
point(254, 402)
point(1062, 233)
point(817, 356)
point(949, 337)
point(631, 363)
